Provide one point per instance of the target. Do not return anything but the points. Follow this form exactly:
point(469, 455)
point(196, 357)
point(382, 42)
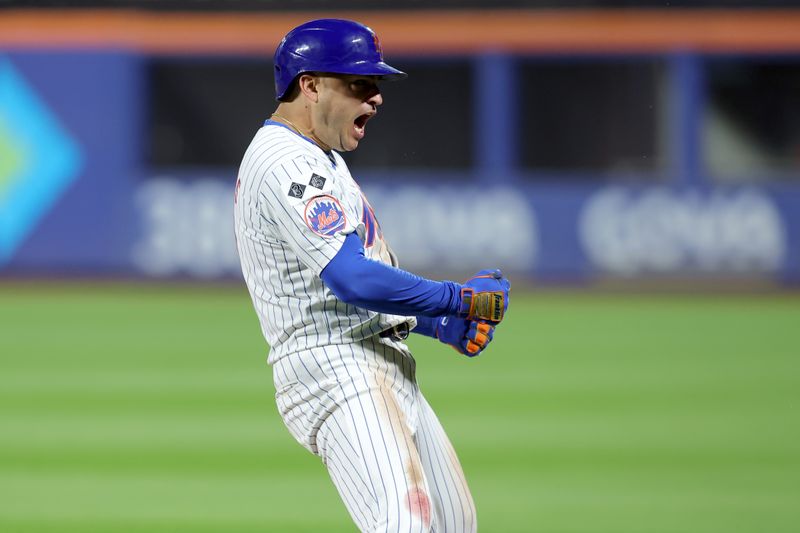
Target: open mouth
point(360, 123)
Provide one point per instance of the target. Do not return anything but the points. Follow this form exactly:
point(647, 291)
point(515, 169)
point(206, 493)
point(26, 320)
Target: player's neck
point(297, 124)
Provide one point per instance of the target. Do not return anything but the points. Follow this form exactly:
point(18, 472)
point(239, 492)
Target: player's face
point(346, 103)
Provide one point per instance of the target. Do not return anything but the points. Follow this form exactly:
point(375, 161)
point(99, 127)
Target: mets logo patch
point(324, 215)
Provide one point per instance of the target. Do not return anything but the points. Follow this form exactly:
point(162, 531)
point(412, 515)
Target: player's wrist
point(426, 326)
point(466, 304)
point(454, 299)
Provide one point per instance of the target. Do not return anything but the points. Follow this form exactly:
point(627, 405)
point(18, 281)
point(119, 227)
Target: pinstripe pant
point(359, 409)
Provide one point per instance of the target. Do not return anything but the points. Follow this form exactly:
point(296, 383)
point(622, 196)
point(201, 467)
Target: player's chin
point(350, 143)
point(349, 146)
point(357, 134)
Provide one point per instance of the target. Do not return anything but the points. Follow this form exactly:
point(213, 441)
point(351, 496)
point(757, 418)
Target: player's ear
point(308, 84)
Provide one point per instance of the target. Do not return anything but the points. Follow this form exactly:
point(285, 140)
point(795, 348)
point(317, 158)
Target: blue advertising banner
point(77, 199)
point(547, 232)
point(79, 168)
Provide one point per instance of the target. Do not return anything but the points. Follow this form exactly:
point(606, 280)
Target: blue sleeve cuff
point(379, 287)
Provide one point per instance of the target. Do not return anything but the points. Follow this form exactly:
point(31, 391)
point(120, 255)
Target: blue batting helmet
point(329, 45)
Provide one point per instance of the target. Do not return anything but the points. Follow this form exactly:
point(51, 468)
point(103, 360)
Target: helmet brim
point(380, 69)
point(388, 73)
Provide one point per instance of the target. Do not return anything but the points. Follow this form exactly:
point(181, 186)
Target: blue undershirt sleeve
point(379, 287)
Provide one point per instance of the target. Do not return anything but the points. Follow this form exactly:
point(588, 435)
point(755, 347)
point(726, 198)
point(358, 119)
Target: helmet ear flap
point(291, 92)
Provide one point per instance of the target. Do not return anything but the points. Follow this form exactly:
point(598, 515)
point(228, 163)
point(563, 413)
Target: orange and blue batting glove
point(467, 337)
point(484, 297)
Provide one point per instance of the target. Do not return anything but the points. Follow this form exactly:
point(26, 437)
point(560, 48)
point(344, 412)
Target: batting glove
point(467, 337)
point(484, 297)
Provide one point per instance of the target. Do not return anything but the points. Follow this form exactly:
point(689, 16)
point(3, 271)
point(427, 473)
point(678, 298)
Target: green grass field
point(150, 408)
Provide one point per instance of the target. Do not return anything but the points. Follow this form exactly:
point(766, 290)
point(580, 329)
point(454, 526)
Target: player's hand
point(468, 337)
point(484, 297)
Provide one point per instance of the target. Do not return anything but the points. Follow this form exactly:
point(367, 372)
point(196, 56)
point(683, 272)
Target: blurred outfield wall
point(564, 145)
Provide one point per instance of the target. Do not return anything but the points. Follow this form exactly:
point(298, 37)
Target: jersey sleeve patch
point(296, 190)
point(324, 215)
point(317, 181)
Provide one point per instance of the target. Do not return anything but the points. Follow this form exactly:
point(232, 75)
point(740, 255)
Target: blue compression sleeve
point(373, 285)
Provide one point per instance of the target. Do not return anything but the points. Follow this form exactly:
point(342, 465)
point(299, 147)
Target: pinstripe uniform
point(345, 391)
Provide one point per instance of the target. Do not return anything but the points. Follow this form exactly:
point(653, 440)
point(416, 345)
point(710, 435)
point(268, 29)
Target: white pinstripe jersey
point(294, 205)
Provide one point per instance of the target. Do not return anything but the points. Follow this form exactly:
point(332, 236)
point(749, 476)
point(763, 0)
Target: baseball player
point(333, 305)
